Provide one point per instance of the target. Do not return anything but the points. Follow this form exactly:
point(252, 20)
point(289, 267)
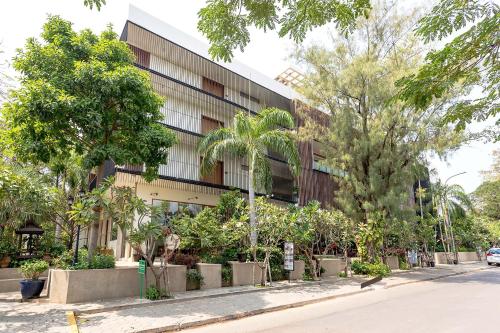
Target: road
point(461, 303)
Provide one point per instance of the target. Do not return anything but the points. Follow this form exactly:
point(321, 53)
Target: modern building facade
point(201, 95)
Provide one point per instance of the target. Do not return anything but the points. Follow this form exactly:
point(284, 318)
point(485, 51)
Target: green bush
point(375, 269)
point(342, 274)
point(226, 274)
point(193, 275)
point(102, 261)
point(7, 247)
point(33, 268)
point(152, 293)
point(98, 261)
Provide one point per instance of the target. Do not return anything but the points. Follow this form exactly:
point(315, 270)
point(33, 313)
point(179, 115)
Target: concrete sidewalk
point(173, 316)
point(196, 307)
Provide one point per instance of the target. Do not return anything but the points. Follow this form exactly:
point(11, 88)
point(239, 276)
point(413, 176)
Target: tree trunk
point(251, 201)
point(94, 227)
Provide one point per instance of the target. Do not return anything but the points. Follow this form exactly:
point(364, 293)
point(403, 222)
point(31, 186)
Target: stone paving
point(44, 317)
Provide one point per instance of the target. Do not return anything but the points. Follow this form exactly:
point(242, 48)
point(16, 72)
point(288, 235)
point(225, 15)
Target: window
point(141, 57)
point(217, 175)
point(173, 208)
point(209, 124)
point(247, 96)
point(213, 87)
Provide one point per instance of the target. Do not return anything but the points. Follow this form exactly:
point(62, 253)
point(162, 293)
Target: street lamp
point(447, 215)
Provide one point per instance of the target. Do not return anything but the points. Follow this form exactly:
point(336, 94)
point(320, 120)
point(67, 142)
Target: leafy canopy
point(226, 23)
point(80, 92)
point(469, 61)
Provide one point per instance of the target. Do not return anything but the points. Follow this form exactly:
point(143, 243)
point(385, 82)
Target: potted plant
point(6, 251)
point(31, 287)
point(194, 279)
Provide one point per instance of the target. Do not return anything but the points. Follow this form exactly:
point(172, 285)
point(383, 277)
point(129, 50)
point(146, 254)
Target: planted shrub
point(226, 274)
point(32, 269)
point(375, 269)
point(342, 274)
point(185, 259)
point(194, 276)
point(102, 261)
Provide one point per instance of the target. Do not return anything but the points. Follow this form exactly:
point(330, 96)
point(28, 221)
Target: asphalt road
point(464, 303)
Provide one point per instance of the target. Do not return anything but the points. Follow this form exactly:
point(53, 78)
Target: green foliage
point(97, 3)
point(32, 269)
point(486, 199)
point(81, 92)
point(154, 294)
point(374, 269)
point(374, 139)
point(468, 61)
point(7, 245)
point(226, 274)
point(195, 276)
point(102, 261)
point(342, 274)
point(97, 261)
point(226, 23)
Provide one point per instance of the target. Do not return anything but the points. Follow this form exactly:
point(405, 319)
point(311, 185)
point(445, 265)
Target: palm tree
point(452, 202)
point(251, 137)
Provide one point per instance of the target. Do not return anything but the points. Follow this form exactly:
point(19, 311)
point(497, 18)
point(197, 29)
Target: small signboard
point(142, 266)
point(288, 264)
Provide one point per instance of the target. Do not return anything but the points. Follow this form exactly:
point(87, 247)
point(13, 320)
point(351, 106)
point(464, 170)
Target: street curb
point(70, 315)
point(182, 326)
point(194, 298)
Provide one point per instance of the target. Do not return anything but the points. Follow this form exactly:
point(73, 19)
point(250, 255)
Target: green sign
point(142, 267)
point(142, 271)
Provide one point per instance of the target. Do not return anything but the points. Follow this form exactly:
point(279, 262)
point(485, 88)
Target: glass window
point(172, 208)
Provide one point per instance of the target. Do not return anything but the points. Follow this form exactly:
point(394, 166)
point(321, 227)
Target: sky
point(266, 53)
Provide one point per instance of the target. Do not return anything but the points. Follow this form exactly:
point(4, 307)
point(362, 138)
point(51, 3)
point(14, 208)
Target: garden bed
point(87, 285)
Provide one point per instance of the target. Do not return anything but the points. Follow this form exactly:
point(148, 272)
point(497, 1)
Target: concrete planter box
point(440, 257)
point(69, 286)
point(242, 273)
point(211, 275)
point(392, 262)
point(10, 277)
point(331, 266)
point(299, 269)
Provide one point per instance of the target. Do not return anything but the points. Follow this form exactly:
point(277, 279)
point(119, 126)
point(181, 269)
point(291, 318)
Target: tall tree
point(226, 23)
point(81, 93)
point(374, 139)
point(250, 137)
point(469, 60)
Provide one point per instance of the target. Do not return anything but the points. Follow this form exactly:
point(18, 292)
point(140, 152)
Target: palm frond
point(215, 152)
point(282, 142)
point(263, 175)
point(272, 118)
point(242, 125)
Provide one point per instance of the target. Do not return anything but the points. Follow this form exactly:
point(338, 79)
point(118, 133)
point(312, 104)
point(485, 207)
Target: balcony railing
point(318, 166)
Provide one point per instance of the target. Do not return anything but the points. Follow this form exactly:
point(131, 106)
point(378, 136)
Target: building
point(202, 95)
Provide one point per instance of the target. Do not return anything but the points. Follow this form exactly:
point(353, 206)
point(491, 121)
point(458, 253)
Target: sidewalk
point(198, 307)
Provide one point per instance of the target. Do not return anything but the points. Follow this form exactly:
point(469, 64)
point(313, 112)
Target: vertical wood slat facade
point(313, 184)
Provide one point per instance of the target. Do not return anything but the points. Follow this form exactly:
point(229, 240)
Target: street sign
point(288, 264)
point(142, 267)
point(141, 271)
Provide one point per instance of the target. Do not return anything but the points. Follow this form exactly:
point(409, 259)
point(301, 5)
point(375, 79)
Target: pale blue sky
point(267, 53)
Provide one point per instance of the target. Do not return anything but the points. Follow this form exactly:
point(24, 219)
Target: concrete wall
point(299, 269)
point(10, 277)
point(242, 273)
point(440, 257)
point(211, 275)
point(69, 286)
point(331, 266)
point(392, 262)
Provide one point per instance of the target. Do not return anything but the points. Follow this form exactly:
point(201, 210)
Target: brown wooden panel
point(213, 87)
point(142, 57)
point(313, 184)
point(209, 124)
point(217, 175)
